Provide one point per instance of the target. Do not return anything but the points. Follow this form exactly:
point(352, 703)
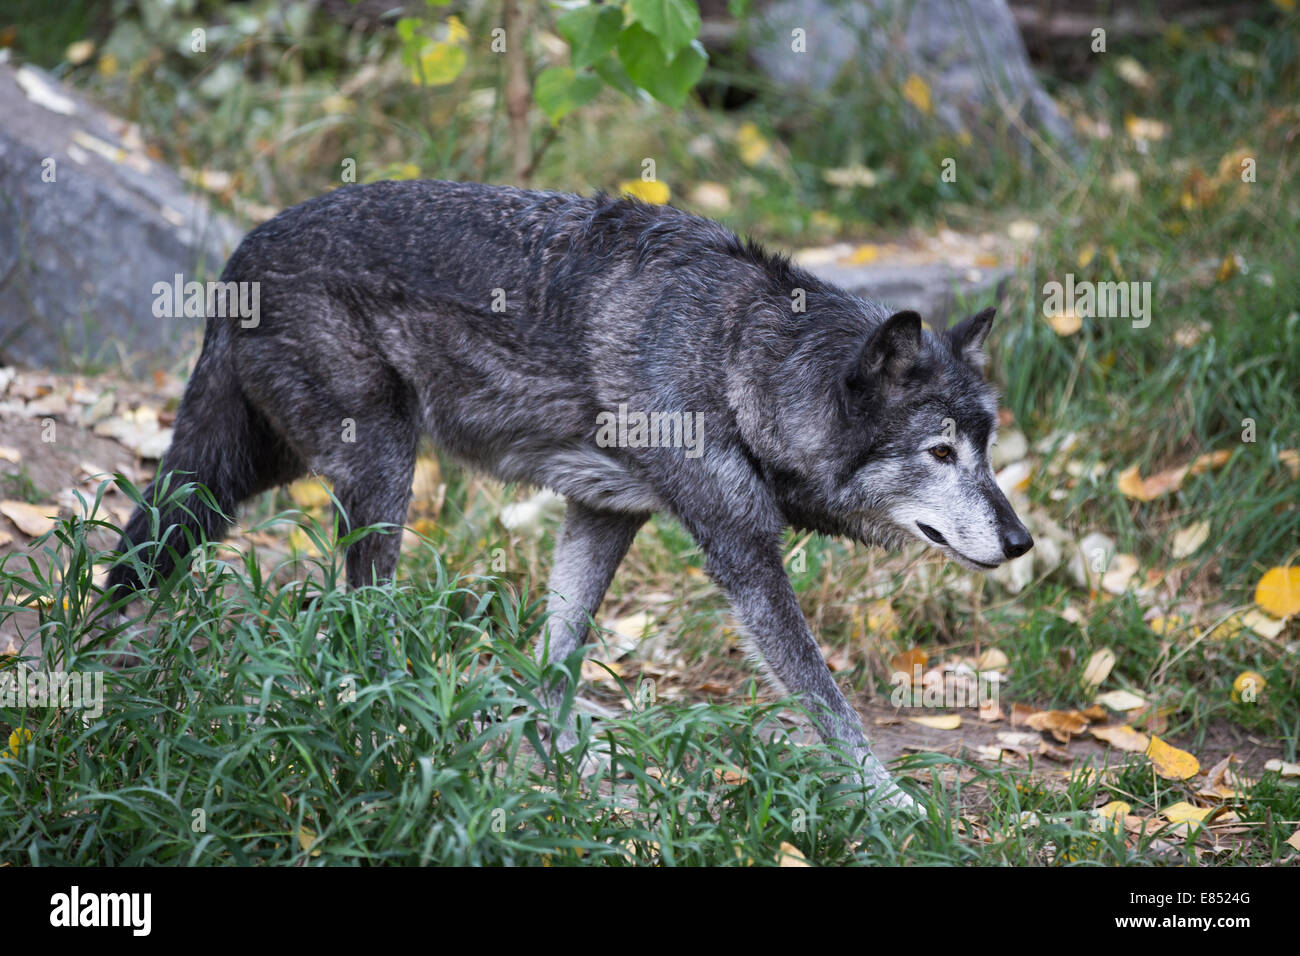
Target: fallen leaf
point(1099, 665)
point(1183, 812)
point(1261, 624)
point(1121, 700)
point(1123, 737)
point(1293, 840)
point(790, 856)
point(1248, 686)
point(991, 659)
point(1062, 724)
point(653, 192)
point(1120, 573)
point(596, 672)
point(32, 520)
point(917, 92)
point(306, 840)
point(10, 454)
point(939, 721)
point(1187, 541)
point(310, 494)
point(1170, 762)
point(1283, 767)
point(1278, 591)
point(909, 662)
point(1065, 323)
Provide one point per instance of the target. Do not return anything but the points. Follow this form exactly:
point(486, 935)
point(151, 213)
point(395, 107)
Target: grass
point(237, 706)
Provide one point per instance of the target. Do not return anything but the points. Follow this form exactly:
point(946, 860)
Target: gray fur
point(377, 307)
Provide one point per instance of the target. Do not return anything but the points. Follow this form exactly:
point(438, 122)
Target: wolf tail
point(213, 445)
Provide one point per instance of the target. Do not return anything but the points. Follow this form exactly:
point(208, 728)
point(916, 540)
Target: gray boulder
point(79, 255)
point(969, 52)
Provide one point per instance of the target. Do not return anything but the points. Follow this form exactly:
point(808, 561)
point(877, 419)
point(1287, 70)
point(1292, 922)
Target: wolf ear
point(968, 336)
point(892, 348)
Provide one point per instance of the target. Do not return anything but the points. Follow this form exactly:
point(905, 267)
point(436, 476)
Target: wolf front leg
point(588, 552)
point(754, 579)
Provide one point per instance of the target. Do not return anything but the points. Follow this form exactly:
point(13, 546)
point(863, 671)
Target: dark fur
point(376, 307)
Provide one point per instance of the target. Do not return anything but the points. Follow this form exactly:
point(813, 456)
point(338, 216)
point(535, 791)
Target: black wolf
point(570, 343)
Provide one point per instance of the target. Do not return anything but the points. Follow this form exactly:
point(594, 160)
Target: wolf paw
point(882, 787)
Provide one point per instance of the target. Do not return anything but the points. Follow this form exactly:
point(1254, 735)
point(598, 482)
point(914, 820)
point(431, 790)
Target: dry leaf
point(1183, 812)
point(909, 662)
point(32, 520)
point(1099, 666)
point(1121, 571)
point(1062, 724)
point(1187, 541)
point(1283, 767)
point(790, 856)
point(306, 840)
point(1123, 737)
point(1261, 624)
point(1248, 686)
point(991, 659)
point(1170, 762)
point(1065, 323)
point(939, 721)
point(1121, 700)
point(10, 454)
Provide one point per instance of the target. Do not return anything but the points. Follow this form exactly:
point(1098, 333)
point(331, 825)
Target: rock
point(969, 52)
point(931, 289)
point(79, 255)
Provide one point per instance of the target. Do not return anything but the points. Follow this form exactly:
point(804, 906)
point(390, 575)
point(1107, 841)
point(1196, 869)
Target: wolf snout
point(1016, 541)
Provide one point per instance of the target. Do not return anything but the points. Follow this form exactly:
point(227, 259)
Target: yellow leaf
point(939, 721)
point(1261, 624)
point(1278, 591)
point(1247, 686)
point(1123, 737)
point(1183, 812)
point(1140, 128)
point(1115, 810)
point(457, 32)
point(310, 494)
point(1227, 268)
point(1065, 324)
point(107, 65)
point(790, 856)
point(752, 145)
point(652, 192)
point(1291, 458)
point(16, 740)
point(917, 92)
point(863, 254)
point(306, 840)
point(1086, 254)
point(440, 64)
point(1170, 762)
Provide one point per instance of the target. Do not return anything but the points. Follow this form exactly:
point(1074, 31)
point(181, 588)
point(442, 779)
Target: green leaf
point(439, 64)
point(612, 72)
point(559, 90)
point(675, 22)
point(591, 32)
point(668, 81)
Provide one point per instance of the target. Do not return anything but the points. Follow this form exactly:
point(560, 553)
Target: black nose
point(1016, 542)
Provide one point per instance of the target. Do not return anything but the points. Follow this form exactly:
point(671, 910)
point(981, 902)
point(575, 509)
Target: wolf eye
point(942, 452)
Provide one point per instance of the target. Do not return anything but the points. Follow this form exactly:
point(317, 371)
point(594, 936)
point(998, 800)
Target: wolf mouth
point(939, 539)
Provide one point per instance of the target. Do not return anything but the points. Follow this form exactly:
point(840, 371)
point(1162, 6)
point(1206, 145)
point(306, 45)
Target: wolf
point(510, 325)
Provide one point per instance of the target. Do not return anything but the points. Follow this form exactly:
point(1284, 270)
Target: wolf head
point(890, 437)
